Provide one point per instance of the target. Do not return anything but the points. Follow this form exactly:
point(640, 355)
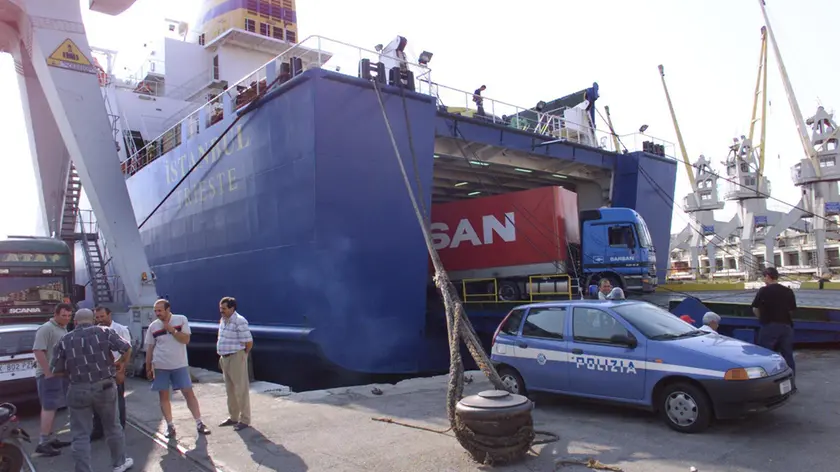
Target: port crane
point(817, 173)
point(71, 138)
point(700, 204)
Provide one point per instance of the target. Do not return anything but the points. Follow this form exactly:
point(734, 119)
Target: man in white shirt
point(233, 344)
point(103, 318)
point(166, 363)
point(711, 321)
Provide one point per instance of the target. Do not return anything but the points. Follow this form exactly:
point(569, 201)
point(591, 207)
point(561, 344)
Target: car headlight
point(745, 373)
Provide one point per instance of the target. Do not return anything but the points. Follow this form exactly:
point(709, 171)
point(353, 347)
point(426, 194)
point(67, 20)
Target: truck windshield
point(656, 323)
point(31, 291)
point(644, 235)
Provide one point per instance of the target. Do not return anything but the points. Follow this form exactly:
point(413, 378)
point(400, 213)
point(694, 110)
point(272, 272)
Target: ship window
point(265, 29)
point(278, 33)
point(216, 67)
point(290, 36)
point(201, 39)
point(250, 25)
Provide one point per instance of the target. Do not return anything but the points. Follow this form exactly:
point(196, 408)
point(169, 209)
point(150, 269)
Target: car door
point(598, 364)
point(543, 350)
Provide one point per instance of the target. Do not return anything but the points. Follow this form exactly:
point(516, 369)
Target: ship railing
point(337, 56)
point(193, 85)
point(486, 290)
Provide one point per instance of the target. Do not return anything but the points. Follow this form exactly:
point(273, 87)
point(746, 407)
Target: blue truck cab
point(616, 245)
point(635, 353)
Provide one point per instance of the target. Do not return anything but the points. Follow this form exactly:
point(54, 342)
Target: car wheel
point(512, 380)
point(685, 408)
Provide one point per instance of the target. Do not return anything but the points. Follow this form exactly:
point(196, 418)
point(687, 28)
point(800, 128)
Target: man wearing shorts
point(52, 389)
point(166, 363)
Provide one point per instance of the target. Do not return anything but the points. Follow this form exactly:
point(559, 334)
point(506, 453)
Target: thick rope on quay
point(494, 437)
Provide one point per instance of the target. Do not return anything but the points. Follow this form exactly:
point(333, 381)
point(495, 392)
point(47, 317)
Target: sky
point(541, 50)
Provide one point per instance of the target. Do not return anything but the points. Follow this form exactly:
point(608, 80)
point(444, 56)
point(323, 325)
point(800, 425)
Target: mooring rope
point(482, 447)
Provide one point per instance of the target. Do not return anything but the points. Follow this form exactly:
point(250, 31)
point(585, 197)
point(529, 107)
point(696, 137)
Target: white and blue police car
point(636, 353)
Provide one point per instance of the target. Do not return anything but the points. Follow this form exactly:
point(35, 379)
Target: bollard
point(495, 426)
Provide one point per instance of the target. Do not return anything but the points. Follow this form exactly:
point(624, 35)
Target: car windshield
point(656, 323)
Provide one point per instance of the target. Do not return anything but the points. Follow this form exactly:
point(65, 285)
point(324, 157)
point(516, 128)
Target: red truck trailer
point(503, 242)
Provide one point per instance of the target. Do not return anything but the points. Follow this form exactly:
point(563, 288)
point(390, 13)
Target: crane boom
point(688, 166)
point(760, 88)
point(794, 104)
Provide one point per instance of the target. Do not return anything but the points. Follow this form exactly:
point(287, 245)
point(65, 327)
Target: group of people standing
point(84, 370)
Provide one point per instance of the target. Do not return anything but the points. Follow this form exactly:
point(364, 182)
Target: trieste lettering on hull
point(465, 233)
point(213, 183)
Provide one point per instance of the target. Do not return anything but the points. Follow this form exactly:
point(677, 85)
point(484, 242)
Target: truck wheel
point(685, 408)
point(509, 292)
point(512, 380)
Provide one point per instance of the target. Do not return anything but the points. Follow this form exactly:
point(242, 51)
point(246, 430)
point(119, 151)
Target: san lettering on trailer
point(619, 366)
point(520, 228)
point(69, 56)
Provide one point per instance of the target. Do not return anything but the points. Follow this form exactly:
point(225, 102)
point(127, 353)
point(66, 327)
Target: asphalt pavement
point(148, 455)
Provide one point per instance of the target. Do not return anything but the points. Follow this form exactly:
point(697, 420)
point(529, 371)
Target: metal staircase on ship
point(89, 238)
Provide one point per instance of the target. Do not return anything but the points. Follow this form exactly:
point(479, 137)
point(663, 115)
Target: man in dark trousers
point(774, 305)
point(479, 100)
point(84, 357)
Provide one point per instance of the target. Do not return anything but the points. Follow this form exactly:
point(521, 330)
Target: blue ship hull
point(301, 214)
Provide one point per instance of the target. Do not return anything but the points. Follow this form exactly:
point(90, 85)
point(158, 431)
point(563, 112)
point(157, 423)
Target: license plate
point(16, 366)
point(784, 387)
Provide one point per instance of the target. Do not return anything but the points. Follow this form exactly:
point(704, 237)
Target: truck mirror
point(78, 293)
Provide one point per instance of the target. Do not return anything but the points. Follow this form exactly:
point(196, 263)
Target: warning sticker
point(69, 56)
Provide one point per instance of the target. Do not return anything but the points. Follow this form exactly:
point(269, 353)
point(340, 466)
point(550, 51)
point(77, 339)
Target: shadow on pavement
point(269, 455)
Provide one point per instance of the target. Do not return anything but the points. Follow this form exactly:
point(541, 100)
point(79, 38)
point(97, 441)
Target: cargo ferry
point(301, 213)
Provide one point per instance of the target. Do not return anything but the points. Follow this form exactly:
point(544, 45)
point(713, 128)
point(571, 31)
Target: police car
point(636, 353)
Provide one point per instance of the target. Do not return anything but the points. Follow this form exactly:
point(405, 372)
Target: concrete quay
point(332, 429)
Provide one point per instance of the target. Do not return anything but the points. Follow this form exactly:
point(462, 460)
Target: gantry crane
point(69, 131)
point(817, 173)
point(700, 204)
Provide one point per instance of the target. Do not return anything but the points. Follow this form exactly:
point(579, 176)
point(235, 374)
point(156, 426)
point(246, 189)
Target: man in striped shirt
point(233, 345)
point(85, 356)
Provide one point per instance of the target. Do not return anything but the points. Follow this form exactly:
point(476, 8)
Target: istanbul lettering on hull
point(213, 183)
point(466, 233)
point(618, 366)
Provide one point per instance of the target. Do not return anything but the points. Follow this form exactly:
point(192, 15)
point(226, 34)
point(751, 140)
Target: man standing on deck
point(84, 357)
point(774, 305)
point(51, 388)
point(233, 345)
point(479, 100)
point(167, 366)
point(103, 318)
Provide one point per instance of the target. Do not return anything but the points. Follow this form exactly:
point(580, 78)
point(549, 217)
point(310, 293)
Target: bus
point(36, 274)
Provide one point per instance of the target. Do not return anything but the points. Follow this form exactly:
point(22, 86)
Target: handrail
point(546, 123)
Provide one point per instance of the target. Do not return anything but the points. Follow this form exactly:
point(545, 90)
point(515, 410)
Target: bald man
point(85, 357)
